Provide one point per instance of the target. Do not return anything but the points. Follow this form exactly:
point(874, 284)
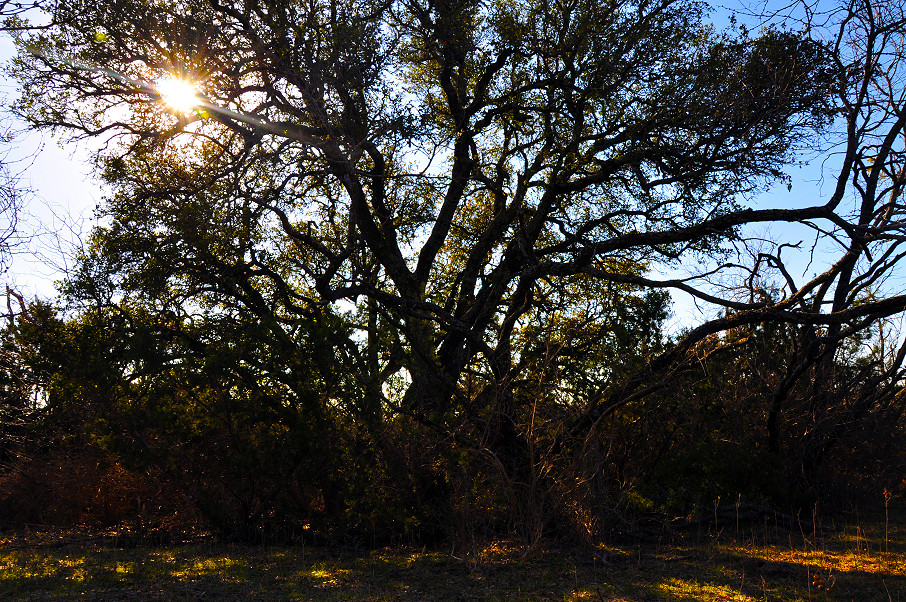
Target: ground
point(858, 561)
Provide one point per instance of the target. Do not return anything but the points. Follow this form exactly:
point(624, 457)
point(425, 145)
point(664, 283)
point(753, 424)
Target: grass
point(852, 563)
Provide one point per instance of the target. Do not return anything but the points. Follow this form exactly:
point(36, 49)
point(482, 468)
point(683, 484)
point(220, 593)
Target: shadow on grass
point(837, 569)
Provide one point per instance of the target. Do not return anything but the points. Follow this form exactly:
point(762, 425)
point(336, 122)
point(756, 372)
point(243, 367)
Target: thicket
point(161, 429)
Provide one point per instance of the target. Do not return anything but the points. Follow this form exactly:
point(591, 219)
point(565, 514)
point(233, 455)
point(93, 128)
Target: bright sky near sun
point(178, 94)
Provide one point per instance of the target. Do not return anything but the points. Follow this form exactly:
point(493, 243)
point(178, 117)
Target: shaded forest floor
point(856, 562)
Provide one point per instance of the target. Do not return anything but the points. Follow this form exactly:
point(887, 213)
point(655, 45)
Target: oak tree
point(482, 192)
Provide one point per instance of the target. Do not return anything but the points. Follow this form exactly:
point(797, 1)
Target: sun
point(180, 95)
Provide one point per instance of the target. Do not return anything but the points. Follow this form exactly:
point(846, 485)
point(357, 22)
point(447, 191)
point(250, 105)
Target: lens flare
point(178, 94)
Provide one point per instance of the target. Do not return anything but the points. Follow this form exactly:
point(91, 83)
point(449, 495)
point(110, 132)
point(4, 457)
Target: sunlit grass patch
point(198, 567)
point(125, 568)
point(325, 575)
point(840, 561)
point(675, 588)
point(210, 565)
point(24, 564)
